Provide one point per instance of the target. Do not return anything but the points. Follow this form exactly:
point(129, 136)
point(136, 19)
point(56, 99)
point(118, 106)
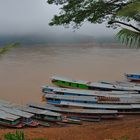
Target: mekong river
point(25, 69)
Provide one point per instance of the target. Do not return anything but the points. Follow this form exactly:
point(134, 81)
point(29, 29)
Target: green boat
point(69, 83)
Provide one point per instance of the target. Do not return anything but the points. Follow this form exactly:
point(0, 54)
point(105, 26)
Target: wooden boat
point(69, 83)
point(44, 123)
point(79, 113)
point(9, 120)
point(71, 120)
point(56, 99)
point(77, 92)
point(43, 115)
point(133, 77)
point(65, 82)
point(128, 83)
point(26, 117)
point(112, 86)
point(34, 112)
point(93, 108)
point(119, 107)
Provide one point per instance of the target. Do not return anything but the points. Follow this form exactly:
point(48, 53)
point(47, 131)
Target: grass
point(122, 138)
point(19, 135)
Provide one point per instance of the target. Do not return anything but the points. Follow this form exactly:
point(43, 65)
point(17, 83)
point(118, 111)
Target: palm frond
point(129, 37)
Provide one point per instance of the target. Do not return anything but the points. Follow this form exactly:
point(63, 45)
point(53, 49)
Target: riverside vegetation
point(19, 135)
point(7, 48)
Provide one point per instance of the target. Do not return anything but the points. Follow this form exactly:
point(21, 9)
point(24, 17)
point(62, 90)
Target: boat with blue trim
point(133, 77)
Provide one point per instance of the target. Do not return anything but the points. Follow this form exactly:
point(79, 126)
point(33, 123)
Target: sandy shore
point(127, 128)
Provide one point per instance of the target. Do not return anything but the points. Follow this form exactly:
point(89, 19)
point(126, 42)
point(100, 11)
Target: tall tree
point(117, 13)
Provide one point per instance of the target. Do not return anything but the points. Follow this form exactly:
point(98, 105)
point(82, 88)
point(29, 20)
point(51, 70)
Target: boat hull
point(133, 77)
point(67, 84)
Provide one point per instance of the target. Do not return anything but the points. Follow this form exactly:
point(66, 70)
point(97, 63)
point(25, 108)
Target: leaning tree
point(116, 13)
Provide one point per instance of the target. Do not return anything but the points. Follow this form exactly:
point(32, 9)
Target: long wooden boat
point(56, 99)
point(43, 115)
point(70, 120)
point(33, 112)
point(65, 82)
point(133, 77)
point(126, 108)
point(121, 108)
point(9, 120)
point(110, 86)
point(26, 117)
point(70, 83)
point(124, 83)
point(78, 92)
point(80, 113)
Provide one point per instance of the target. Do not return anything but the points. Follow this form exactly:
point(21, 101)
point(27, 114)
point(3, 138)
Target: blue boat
point(133, 77)
point(57, 99)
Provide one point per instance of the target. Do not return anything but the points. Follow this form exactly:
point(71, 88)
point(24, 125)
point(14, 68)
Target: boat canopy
point(69, 97)
point(39, 111)
point(128, 94)
point(99, 106)
point(88, 92)
point(7, 116)
point(70, 110)
point(15, 111)
point(114, 86)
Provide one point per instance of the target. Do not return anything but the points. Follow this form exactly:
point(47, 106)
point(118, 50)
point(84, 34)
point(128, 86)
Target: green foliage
point(5, 49)
point(76, 12)
point(117, 13)
point(130, 12)
point(19, 135)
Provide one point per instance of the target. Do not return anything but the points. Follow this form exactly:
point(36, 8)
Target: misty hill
point(52, 38)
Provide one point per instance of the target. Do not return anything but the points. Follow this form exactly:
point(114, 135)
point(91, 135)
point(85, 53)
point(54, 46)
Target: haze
point(27, 17)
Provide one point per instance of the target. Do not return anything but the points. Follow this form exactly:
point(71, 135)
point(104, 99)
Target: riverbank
point(127, 128)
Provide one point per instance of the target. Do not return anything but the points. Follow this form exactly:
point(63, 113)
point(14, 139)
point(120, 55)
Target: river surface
point(24, 70)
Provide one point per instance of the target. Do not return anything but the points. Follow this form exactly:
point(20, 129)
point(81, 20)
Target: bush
point(19, 135)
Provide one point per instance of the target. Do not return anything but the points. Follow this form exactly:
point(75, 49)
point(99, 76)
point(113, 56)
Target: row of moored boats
point(75, 101)
point(93, 100)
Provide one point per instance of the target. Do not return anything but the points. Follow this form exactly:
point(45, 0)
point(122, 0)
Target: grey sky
point(32, 17)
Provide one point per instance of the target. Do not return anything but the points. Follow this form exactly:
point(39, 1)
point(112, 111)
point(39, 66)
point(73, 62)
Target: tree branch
point(129, 25)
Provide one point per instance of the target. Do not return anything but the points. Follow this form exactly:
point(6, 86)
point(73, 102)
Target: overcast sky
point(33, 16)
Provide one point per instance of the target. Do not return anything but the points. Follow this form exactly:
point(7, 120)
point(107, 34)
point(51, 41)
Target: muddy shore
point(126, 128)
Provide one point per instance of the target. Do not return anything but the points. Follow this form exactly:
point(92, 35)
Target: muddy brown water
point(24, 70)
